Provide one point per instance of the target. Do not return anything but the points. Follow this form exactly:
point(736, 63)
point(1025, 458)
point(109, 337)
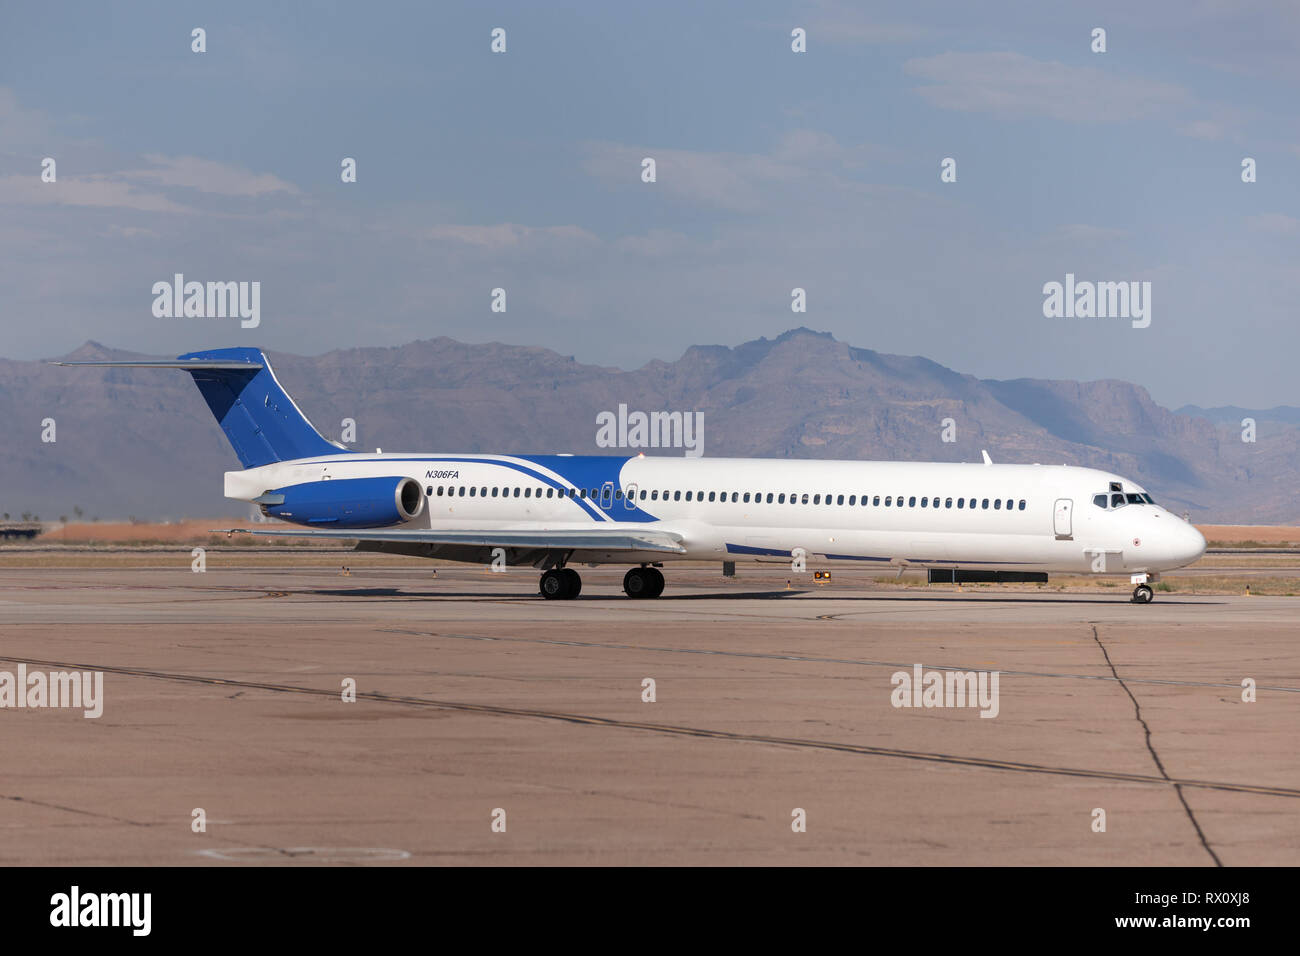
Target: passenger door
point(1062, 522)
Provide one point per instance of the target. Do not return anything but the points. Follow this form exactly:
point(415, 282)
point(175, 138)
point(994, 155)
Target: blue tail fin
point(257, 415)
point(259, 418)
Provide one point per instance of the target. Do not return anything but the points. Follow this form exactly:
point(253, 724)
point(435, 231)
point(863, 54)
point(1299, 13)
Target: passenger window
point(711, 495)
point(875, 501)
point(817, 499)
point(473, 492)
point(898, 502)
point(997, 504)
point(677, 496)
point(688, 496)
point(1022, 504)
point(911, 502)
point(925, 502)
point(805, 499)
point(853, 500)
point(947, 503)
point(769, 497)
point(494, 492)
point(888, 500)
point(961, 502)
point(985, 504)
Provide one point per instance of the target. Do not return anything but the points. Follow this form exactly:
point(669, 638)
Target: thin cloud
point(98, 190)
point(1011, 84)
point(506, 234)
point(206, 175)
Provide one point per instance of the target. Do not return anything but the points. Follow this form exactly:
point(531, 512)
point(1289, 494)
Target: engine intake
point(347, 502)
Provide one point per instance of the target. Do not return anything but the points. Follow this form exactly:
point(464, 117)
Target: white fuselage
point(989, 517)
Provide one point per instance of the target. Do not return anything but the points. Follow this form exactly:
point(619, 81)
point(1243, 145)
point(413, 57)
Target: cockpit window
point(1147, 498)
point(1099, 500)
point(1117, 500)
point(1135, 499)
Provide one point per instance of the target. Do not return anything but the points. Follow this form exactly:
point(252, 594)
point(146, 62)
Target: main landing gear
point(561, 584)
point(564, 584)
point(643, 583)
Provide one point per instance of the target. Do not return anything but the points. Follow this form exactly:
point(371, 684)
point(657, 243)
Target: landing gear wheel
point(657, 580)
point(553, 585)
point(643, 583)
point(1142, 594)
point(573, 583)
point(638, 584)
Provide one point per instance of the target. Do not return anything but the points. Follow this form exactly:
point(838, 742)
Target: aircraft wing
point(593, 539)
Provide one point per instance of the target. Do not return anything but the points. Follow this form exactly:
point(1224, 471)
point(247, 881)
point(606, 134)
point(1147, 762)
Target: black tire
point(1142, 594)
point(573, 582)
point(554, 586)
point(638, 584)
point(657, 580)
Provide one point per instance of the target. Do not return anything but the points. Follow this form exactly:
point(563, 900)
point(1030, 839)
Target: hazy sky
point(775, 169)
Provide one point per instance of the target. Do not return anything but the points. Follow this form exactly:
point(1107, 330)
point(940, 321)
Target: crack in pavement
point(1178, 787)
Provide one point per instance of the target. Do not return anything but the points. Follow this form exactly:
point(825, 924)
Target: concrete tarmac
point(477, 701)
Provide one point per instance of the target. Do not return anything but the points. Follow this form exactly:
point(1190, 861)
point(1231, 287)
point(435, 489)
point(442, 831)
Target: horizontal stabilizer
point(260, 420)
point(172, 363)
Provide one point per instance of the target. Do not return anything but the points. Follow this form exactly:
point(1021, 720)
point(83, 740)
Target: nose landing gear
point(1142, 593)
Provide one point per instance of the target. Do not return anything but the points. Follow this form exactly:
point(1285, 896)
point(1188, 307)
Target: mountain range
point(133, 442)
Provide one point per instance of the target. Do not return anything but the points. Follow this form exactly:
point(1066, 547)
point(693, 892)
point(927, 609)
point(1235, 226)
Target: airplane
point(958, 522)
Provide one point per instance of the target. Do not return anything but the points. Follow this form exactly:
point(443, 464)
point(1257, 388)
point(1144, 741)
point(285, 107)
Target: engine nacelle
point(347, 502)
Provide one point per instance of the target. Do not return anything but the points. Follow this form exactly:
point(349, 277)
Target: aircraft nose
point(1190, 544)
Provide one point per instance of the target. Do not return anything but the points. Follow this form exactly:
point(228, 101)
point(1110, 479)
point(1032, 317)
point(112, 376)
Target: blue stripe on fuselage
point(587, 471)
point(594, 471)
